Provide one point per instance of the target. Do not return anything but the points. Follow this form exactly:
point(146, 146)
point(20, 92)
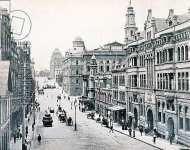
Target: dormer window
point(170, 23)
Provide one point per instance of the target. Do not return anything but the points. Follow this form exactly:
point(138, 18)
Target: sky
point(56, 23)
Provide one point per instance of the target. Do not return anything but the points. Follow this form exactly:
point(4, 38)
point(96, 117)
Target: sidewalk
point(160, 143)
point(29, 139)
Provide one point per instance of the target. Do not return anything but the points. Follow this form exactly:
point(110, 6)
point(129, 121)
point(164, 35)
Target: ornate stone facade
point(73, 67)
point(157, 76)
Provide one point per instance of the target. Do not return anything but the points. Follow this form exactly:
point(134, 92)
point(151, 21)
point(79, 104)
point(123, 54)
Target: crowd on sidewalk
point(16, 138)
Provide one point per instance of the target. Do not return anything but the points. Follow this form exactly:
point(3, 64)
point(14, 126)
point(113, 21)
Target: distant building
point(72, 68)
point(56, 66)
point(43, 73)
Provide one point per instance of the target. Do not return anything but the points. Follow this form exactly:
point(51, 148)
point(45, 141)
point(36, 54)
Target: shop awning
point(116, 108)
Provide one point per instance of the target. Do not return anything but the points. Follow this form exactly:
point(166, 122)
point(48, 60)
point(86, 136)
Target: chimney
point(149, 14)
point(189, 10)
point(171, 12)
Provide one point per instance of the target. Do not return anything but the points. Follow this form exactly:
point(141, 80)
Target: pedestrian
point(111, 128)
point(20, 135)
point(154, 138)
point(133, 132)
point(171, 139)
point(26, 131)
point(141, 130)
point(71, 105)
point(39, 139)
point(33, 127)
point(14, 136)
point(130, 130)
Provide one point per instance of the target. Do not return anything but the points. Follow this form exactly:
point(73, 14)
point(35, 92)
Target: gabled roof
point(160, 24)
point(183, 17)
point(4, 77)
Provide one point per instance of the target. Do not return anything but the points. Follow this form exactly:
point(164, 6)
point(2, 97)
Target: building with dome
point(56, 66)
point(72, 68)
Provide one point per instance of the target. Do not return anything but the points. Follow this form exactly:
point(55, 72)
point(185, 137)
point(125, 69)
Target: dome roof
point(78, 38)
point(56, 54)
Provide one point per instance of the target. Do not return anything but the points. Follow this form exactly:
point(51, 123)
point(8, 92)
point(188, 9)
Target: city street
point(89, 134)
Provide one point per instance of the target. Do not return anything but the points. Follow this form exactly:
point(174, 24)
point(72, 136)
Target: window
point(158, 81)
point(187, 80)
point(186, 52)
point(183, 81)
point(187, 124)
point(101, 68)
point(77, 72)
point(77, 62)
point(108, 68)
point(159, 116)
point(77, 81)
point(164, 118)
point(178, 54)
point(135, 61)
point(182, 53)
point(180, 123)
point(158, 57)
point(170, 54)
point(180, 108)
point(179, 81)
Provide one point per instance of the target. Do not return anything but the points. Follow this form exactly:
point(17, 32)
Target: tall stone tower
point(130, 25)
point(93, 71)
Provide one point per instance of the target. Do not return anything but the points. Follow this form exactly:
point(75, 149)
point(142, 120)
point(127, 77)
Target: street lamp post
point(75, 104)
point(109, 115)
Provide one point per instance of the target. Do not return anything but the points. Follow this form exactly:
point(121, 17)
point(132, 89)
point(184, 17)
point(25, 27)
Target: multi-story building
point(72, 68)
point(56, 66)
point(5, 79)
point(157, 74)
point(5, 103)
point(106, 57)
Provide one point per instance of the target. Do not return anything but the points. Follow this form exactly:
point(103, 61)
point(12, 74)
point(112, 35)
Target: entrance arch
point(170, 127)
point(150, 120)
point(135, 117)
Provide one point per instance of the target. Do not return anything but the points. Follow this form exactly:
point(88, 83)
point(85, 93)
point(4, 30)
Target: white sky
point(55, 23)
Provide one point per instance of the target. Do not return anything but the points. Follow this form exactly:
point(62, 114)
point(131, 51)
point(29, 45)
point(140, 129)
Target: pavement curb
point(138, 139)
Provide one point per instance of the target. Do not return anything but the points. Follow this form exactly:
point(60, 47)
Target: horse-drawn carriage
point(91, 115)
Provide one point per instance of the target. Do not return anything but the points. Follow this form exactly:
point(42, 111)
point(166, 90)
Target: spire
point(129, 2)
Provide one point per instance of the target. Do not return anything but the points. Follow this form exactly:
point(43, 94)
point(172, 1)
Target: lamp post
point(75, 104)
point(109, 116)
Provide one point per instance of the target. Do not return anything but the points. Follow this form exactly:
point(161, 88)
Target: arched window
point(182, 53)
point(186, 52)
point(178, 54)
